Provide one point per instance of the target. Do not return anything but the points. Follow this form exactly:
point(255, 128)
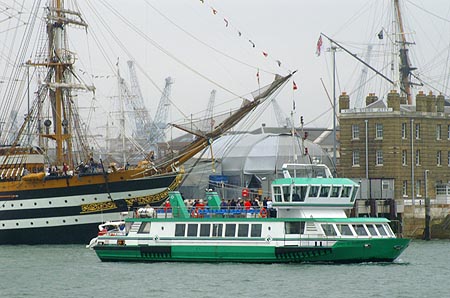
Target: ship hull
point(71, 214)
point(343, 251)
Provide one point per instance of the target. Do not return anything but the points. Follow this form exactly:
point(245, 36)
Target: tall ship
point(52, 188)
point(305, 221)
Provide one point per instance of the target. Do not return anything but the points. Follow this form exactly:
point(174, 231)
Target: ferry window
point(230, 230)
point(360, 231)
point(243, 230)
point(388, 230)
point(192, 230)
point(346, 191)
point(294, 227)
point(324, 191)
point(205, 230)
point(299, 193)
point(372, 230)
point(381, 230)
point(217, 230)
point(180, 229)
point(277, 193)
point(355, 191)
point(313, 191)
point(287, 193)
point(256, 230)
point(329, 230)
point(144, 228)
point(344, 230)
point(335, 190)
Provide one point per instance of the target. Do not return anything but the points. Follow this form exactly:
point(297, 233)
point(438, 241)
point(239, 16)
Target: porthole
point(31, 223)
point(21, 205)
point(76, 219)
point(64, 220)
point(49, 202)
point(129, 195)
point(35, 204)
point(17, 223)
point(269, 228)
point(162, 228)
point(3, 225)
point(82, 199)
point(46, 222)
point(65, 201)
point(95, 199)
point(12, 205)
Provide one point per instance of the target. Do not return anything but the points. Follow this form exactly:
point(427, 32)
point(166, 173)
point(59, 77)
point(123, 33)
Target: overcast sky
point(209, 45)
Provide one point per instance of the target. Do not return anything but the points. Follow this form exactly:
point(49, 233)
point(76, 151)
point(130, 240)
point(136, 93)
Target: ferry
point(306, 222)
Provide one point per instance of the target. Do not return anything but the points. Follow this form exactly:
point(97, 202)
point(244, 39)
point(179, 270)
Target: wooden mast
point(405, 67)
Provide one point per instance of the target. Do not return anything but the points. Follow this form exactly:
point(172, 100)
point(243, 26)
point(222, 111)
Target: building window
point(448, 158)
point(418, 131)
point(417, 157)
point(378, 131)
point(355, 158)
point(448, 132)
point(404, 158)
point(379, 161)
point(403, 130)
point(405, 188)
point(418, 182)
point(438, 132)
point(438, 158)
point(355, 132)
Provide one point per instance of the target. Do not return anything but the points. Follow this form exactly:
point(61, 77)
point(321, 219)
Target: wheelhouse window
point(299, 193)
point(230, 230)
point(381, 230)
point(335, 191)
point(372, 230)
point(344, 230)
point(287, 193)
point(313, 191)
point(355, 191)
point(217, 230)
point(346, 191)
point(144, 228)
point(180, 230)
point(205, 230)
point(243, 230)
point(192, 230)
point(256, 230)
point(294, 227)
point(277, 193)
point(324, 191)
point(359, 229)
point(355, 132)
point(329, 230)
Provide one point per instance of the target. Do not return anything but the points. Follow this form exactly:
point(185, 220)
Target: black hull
point(75, 234)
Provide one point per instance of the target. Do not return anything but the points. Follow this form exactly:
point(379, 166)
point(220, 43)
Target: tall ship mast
point(52, 188)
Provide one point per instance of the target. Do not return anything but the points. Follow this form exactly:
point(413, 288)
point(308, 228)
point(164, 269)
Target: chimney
point(393, 100)
point(431, 102)
point(440, 103)
point(421, 102)
point(371, 98)
point(344, 102)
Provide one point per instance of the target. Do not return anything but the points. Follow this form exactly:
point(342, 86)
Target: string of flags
point(229, 25)
point(94, 76)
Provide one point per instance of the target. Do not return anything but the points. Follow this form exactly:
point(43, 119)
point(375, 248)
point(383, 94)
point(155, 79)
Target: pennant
point(265, 54)
point(319, 46)
point(239, 33)
point(226, 22)
point(380, 34)
point(253, 44)
point(293, 105)
point(279, 63)
point(214, 11)
point(294, 85)
point(257, 76)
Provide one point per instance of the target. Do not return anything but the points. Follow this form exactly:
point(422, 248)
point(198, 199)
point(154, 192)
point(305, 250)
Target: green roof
point(314, 181)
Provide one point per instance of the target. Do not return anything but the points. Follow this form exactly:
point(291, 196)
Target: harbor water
point(423, 270)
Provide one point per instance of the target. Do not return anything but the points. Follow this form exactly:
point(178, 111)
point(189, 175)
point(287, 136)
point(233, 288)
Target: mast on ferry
point(405, 66)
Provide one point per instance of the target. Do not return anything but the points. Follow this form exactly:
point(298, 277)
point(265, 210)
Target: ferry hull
point(343, 251)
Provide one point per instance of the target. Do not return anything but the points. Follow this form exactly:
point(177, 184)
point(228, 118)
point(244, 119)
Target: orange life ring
point(263, 213)
point(102, 232)
point(194, 213)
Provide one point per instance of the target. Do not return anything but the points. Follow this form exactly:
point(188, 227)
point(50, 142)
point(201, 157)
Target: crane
point(282, 119)
point(208, 122)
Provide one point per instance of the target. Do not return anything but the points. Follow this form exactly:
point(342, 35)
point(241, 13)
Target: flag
point(265, 54)
point(226, 22)
point(380, 34)
point(319, 46)
point(253, 44)
point(279, 63)
point(214, 11)
point(257, 76)
point(294, 85)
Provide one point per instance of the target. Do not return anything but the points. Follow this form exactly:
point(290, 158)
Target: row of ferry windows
point(299, 193)
point(212, 230)
point(374, 230)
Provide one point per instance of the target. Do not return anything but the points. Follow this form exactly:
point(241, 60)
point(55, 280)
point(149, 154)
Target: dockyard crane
point(157, 133)
point(282, 119)
point(208, 122)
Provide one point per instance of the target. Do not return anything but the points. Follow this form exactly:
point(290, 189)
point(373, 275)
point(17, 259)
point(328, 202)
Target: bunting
point(294, 85)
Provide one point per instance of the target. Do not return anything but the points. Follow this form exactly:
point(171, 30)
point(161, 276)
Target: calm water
point(74, 271)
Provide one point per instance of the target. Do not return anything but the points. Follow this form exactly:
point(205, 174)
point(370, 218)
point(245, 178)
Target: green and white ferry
point(307, 223)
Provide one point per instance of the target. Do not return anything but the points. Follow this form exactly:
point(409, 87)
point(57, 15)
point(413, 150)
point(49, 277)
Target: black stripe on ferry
point(55, 211)
point(120, 186)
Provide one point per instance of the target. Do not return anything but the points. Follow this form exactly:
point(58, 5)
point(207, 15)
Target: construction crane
point(208, 122)
point(282, 119)
point(157, 133)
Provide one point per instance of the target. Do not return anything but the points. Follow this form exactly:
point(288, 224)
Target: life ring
point(263, 213)
point(102, 232)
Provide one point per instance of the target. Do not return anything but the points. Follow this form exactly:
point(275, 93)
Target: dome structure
point(248, 160)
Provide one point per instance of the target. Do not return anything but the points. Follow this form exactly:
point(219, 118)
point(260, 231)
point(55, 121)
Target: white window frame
point(355, 132)
point(438, 132)
point(355, 158)
point(404, 157)
point(417, 157)
point(417, 131)
point(379, 158)
point(439, 158)
point(378, 131)
point(418, 188)
point(404, 131)
point(405, 188)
